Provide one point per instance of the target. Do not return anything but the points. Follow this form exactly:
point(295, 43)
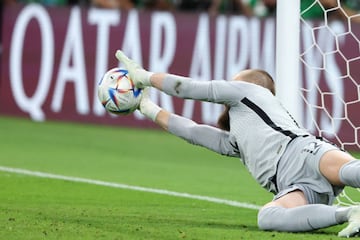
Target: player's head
point(258, 77)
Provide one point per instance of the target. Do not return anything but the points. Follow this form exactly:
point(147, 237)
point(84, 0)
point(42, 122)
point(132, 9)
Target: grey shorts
point(298, 169)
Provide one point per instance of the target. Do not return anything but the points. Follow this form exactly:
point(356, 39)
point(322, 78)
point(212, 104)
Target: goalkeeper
point(304, 172)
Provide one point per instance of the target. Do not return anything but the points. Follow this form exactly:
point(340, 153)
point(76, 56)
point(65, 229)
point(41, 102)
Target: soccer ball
point(117, 92)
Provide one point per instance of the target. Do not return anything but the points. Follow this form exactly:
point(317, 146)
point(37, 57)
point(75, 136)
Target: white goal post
point(287, 55)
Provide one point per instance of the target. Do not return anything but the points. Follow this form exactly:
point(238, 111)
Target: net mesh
point(330, 68)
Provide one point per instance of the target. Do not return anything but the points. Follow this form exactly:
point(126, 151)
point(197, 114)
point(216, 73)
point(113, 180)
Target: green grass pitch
point(43, 208)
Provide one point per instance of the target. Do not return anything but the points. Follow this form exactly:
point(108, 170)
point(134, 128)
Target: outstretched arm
point(217, 91)
point(197, 134)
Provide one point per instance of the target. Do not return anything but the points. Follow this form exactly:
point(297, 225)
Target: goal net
point(330, 75)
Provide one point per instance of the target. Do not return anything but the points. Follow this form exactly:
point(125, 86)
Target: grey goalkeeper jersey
point(260, 128)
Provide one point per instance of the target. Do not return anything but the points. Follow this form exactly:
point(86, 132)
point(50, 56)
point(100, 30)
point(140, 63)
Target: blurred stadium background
point(54, 52)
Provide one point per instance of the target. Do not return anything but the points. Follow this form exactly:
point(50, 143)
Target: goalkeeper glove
point(147, 107)
point(138, 75)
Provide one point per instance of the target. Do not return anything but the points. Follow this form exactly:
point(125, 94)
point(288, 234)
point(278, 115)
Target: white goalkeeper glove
point(147, 107)
point(138, 75)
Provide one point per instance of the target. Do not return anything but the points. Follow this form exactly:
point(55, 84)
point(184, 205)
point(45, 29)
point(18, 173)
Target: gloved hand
point(147, 107)
point(138, 75)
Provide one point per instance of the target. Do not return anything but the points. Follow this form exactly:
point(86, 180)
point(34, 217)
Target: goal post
point(287, 56)
point(318, 72)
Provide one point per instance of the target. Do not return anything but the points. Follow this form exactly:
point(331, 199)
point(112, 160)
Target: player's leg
point(340, 168)
point(291, 213)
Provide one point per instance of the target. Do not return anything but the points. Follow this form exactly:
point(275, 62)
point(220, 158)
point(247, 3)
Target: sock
point(349, 174)
point(298, 219)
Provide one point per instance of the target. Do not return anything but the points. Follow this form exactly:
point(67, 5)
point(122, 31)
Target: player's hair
point(269, 81)
point(256, 76)
point(224, 119)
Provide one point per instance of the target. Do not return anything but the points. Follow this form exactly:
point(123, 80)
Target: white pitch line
point(125, 186)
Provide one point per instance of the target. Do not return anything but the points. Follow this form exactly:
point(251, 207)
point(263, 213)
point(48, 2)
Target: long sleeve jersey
point(260, 127)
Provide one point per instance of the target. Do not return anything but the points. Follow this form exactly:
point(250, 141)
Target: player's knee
point(268, 218)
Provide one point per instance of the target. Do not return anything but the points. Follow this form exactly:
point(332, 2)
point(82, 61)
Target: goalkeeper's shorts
point(298, 169)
